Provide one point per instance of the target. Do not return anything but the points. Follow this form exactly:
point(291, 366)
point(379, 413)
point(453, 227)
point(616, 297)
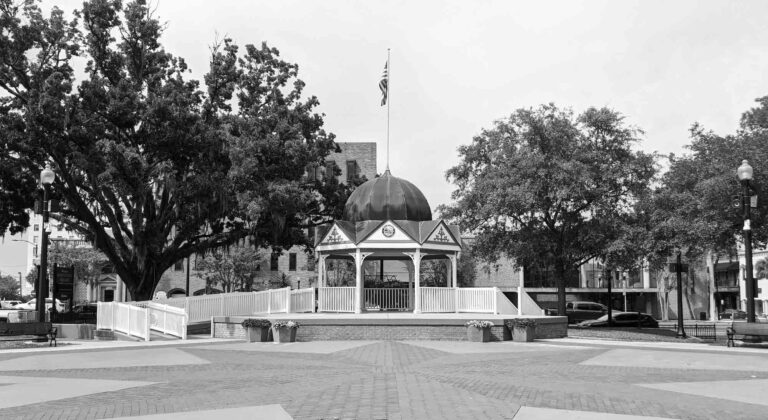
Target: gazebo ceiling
point(387, 198)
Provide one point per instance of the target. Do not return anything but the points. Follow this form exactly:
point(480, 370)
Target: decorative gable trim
point(441, 235)
point(389, 231)
point(335, 236)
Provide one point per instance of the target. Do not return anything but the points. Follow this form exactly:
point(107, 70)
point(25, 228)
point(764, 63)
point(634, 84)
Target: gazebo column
point(416, 257)
point(321, 270)
point(454, 270)
point(359, 259)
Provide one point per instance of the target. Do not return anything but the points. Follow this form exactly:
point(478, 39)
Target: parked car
point(31, 305)
point(581, 311)
point(622, 319)
point(9, 304)
point(733, 314)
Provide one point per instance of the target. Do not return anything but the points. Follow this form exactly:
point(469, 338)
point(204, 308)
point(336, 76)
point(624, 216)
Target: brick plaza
point(213, 378)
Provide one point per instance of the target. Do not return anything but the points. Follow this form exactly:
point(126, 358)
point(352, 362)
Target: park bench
point(23, 331)
point(746, 331)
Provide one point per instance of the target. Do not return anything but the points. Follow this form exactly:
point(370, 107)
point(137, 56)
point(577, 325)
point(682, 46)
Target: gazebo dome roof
point(387, 198)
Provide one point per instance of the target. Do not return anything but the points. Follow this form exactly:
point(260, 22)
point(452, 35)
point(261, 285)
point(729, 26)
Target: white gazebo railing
point(336, 299)
point(476, 299)
point(387, 299)
point(171, 316)
point(438, 299)
point(464, 299)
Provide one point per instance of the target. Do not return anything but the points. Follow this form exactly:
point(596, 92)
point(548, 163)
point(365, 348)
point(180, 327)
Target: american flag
point(383, 84)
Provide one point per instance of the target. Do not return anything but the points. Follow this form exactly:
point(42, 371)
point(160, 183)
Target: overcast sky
point(457, 66)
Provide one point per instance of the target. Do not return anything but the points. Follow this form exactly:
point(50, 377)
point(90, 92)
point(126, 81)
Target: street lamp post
point(745, 176)
point(21, 292)
point(679, 272)
point(47, 176)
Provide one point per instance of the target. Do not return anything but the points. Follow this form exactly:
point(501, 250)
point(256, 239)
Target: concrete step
point(104, 335)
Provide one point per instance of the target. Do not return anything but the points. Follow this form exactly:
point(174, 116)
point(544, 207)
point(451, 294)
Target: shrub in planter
point(479, 331)
point(256, 329)
point(284, 331)
point(523, 329)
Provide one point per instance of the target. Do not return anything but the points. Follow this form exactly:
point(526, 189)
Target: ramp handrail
point(132, 320)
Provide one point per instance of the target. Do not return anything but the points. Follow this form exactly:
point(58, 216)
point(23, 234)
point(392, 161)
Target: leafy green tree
point(9, 288)
point(544, 186)
point(89, 263)
point(150, 167)
point(696, 209)
point(231, 270)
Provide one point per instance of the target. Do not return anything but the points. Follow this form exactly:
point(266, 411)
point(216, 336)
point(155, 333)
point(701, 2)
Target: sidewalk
point(81, 345)
point(661, 345)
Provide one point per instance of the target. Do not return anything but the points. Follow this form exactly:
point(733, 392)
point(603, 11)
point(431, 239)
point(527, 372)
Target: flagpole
point(389, 100)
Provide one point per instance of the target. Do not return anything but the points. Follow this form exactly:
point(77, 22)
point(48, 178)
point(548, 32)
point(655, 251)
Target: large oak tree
point(547, 188)
point(150, 166)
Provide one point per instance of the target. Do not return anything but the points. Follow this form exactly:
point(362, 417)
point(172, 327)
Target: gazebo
point(388, 226)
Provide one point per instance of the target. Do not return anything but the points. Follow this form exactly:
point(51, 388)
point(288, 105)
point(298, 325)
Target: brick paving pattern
point(392, 380)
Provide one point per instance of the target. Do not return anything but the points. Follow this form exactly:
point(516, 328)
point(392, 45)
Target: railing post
point(113, 308)
point(221, 299)
point(288, 302)
point(269, 301)
point(147, 322)
point(129, 320)
point(495, 300)
point(456, 299)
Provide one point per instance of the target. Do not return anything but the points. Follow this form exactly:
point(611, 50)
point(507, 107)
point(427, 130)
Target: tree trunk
point(560, 289)
point(144, 284)
point(711, 261)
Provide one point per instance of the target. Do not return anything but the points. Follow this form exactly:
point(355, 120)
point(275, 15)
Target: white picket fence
point(132, 320)
point(171, 316)
point(336, 299)
point(303, 300)
point(168, 320)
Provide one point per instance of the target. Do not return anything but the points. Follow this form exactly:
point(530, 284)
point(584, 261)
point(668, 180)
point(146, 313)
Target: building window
point(34, 252)
point(353, 170)
point(179, 265)
point(330, 169)
point(292, 261)
point(34, 239)
point(37, 227)
point(273, 261)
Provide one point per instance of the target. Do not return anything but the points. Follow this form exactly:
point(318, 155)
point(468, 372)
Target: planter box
point(284, 335)
point(257, 334)
point(479, 335)
point(523, 333)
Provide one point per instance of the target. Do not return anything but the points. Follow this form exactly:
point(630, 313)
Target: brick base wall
point(320, 330)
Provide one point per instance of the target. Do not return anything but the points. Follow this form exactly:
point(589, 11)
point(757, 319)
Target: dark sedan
point(623, 319)
point(733, 314)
